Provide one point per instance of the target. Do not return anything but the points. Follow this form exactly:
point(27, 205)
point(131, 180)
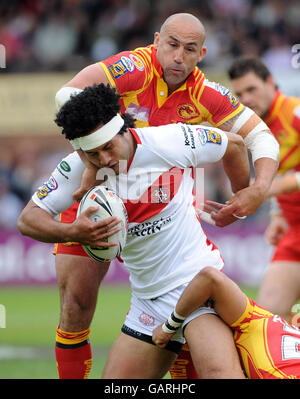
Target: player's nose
point(104, 159)
point(178, 56)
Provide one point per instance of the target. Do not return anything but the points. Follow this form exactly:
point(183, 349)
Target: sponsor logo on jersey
point(224, 92)
point(149, 228)
point(188, 134)
point(201, 135)
point(65, 166)
point(137, 62)
point(47, 188)
point(187, 111)
point(146, 319)
point(118, 69)
point(128, 63)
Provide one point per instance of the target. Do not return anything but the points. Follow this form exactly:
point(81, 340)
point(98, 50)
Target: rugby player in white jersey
point(162, 259)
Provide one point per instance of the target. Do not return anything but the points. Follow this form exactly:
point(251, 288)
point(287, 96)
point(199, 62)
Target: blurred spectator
point(54, 41)
point(10, 204)
point(46, 34)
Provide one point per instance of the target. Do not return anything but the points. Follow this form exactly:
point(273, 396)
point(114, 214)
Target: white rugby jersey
point(166, 245)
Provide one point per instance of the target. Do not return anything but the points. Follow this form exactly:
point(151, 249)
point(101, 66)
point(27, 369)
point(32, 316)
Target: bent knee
point(212, 274)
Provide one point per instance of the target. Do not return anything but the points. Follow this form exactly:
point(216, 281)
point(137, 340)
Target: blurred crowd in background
point(51, 35)
point(67, 35)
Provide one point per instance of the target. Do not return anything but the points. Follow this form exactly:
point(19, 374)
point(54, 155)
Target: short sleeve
point(220, 103)
point(56, 194)
point(184, 145)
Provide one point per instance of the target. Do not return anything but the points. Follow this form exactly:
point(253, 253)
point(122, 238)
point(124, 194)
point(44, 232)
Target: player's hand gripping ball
point(109, 205)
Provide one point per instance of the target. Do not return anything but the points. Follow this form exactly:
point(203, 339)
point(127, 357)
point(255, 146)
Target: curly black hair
point(85, 111)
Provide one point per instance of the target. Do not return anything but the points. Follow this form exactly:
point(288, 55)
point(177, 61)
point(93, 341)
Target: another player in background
point(255, 87)
point(158, 84)
point(166, 246)
point(286, 184)
point(267, 344)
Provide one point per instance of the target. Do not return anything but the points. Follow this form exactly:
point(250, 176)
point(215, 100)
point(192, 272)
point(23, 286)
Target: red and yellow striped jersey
point(269, 347)
point(284, 122)
point(138, 77)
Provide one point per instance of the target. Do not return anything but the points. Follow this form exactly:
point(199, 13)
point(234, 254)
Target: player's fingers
point(161, 344)
point(109, 232)
point(90, 210)
point(222, 220)
point(235, 209)
point(107, 223)
point(214, 204)
point(103, 244)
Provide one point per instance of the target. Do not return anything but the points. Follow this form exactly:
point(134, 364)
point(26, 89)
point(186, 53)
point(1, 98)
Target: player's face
point(179, 49)
point(115, 154)
point(254, 92)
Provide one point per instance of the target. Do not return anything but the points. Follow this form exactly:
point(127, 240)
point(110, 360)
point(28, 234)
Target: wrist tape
point(173, 323)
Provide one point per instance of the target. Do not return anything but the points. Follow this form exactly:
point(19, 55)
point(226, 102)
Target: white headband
point(100, 136)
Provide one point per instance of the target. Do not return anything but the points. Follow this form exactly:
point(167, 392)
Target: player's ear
point(156, 39)
point(202, 53)
point(270, 81)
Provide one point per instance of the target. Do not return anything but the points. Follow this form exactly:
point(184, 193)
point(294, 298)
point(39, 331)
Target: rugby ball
point(109, 205)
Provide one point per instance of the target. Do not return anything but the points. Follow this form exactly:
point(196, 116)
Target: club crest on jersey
point(160, 195)
point(47, 188)
point(187, 111)
point(146, 319)
point(118, 69)
point(232, 99)
point(212, 136)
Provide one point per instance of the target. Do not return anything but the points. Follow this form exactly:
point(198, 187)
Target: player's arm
point(236, 163)
point(37, 220)
point(285, 184)
point(38, 224)
point(265, 154)
point(90, 75)
point(229, 302)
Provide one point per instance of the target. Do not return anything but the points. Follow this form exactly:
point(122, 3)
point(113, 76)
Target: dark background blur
point(46, 42)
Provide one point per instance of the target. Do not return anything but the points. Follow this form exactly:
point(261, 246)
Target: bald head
point(179, 46)
point(186, 21)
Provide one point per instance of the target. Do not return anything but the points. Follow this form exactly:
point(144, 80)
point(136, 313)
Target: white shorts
point(146, 314)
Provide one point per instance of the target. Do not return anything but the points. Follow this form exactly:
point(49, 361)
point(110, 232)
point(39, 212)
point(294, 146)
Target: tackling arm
point(229, 302)
point(265, 154)
point(236, 163)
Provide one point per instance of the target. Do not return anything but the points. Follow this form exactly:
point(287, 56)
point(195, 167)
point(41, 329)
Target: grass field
point(27, 342)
